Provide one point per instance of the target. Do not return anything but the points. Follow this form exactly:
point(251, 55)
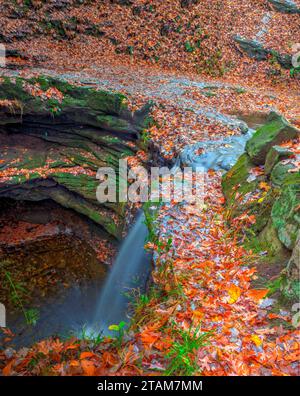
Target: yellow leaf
point(234, 294)
point(257, 340)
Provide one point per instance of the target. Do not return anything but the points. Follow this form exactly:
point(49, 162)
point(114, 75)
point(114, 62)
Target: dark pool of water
point(63, 279)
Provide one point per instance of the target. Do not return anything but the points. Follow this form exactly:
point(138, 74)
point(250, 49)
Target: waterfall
point(130, 270)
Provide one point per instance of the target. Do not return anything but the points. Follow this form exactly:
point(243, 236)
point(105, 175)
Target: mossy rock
point(55, 155)
point(237, 176)
point(286, 215)
point(275, 154)
point(282, 175)
point(239, 187)
point(269, 238)
point(78, 101)
point(275, 131)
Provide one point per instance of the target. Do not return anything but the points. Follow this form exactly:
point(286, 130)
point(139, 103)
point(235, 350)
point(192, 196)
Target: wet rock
point(253, 48)
point(188, 3)
point(274, 132)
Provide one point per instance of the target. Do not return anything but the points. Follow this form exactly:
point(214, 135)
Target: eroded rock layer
point(54, 137)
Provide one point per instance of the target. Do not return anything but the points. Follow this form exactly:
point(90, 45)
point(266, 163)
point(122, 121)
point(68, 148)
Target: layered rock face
point(265, 183)
point(55, 136)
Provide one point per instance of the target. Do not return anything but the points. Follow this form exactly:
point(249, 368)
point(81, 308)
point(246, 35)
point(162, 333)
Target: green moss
point(274, 132)
point(286, 215)
point(236, 176)
point(281, 174)
point(83, 185)
point(112, 123)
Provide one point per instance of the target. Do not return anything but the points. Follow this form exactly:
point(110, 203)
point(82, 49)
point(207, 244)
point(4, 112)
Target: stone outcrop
point(55, 136)
point(265, 183)
point(285, 6)
point(274, 132)
point(255, 49)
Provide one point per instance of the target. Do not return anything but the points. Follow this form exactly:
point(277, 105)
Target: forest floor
point(202, 315)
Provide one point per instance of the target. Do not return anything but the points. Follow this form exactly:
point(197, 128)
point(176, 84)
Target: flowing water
point(129, 272)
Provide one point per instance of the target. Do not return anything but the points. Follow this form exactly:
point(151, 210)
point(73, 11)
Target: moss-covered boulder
point(243, 193)
point(283, 174)
point(274, 132)
point(270, 191)
point(56, 136)
point(286, 215)
point(275, 154)
point(238, 176)
point(293, 271)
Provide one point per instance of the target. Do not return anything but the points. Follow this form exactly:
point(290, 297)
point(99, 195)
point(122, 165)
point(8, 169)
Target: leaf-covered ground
point(186, 35)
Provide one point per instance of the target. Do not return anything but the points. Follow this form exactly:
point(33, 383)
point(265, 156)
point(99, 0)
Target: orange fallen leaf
point(85, 355)
point(74, 363)
point(257, 294)
point(88, 367)
point(7, 369)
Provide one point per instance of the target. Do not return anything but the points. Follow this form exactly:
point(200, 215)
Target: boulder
point(286, 215)
point(253, 48)
point(243, 195)
point(275, 131)
point(237, 177)
point(285, 6)
point(282, 176)
point(269, 238)
point(275, 154)
point(293, 270)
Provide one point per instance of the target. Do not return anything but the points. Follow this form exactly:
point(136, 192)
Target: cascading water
point(130, 271)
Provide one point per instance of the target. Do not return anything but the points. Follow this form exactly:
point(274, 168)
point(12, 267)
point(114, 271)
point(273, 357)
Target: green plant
point(95, 337)
point(151, 212)
point(32, 316)
point(145, 138)
point(119, 329)
point(189, 47)
point(17, 293)
point(241, 90)
point(183, 360)
point(294, 71)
